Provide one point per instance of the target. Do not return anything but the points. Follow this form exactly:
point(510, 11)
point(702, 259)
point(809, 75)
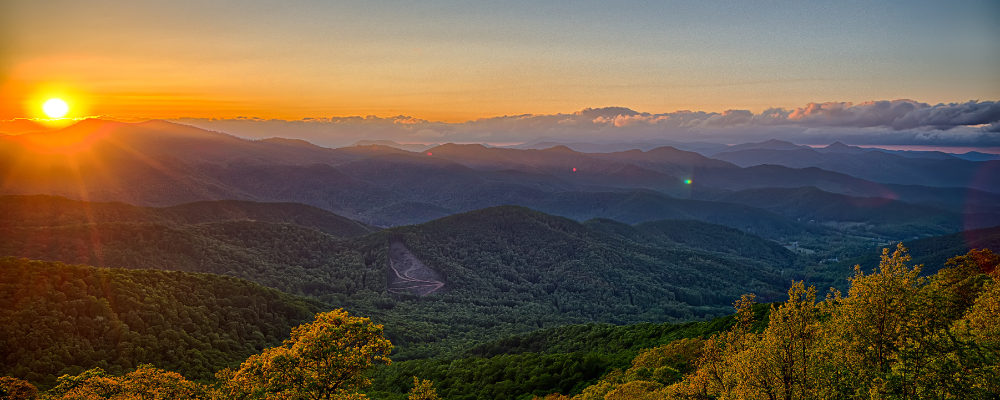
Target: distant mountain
point(977, 156)
point(414, 147)
point(697, 235)
point(46, 211)
point(838, 147)
point(156, 140)
point(622, 146)
point(668, 160)
point(163, 164)
point(640, 206)
point(561, 162)
point(19, 126)
point(866, 214)
point(935, 155)
point(772, 144)
point(879, 167)
point(766, 176)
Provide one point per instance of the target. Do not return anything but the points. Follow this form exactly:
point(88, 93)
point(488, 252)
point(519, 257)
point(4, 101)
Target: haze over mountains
point(878, 166)
point(158, 163)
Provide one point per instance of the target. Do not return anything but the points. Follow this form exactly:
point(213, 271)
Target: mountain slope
point(561, 162)
point(668, 160)
point(698, 235)
point(40, 210)
point(640, 206)
point(878, 215)
point(504, 270)
point(57, 319)
point(162, 164)
point(933, 252)
point(878, 166)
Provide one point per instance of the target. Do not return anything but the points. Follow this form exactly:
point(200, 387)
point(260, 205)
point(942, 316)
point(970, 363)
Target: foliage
point(146, 382)
point(895, 336)
point(565, 359)
point(422, 390)
point(325, 359)
point(58, 319)
point(507, 270)
point(859, 215)
point(933, 252)
point(16, 389)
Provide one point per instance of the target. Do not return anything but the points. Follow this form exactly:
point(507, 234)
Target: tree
point(325, 359)
point(981, 329)
point(146, 383)
point(16, 389)
point(422, 390)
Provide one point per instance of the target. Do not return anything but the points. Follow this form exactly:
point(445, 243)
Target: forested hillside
point(565, 359)
point(893, 335)
point(878, 166)
point(506, 270)
point(861, 215)
point(930, 252)
point(60, 319)
point(798, 346)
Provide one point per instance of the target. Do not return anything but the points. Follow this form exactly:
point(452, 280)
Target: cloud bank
point(895, 122)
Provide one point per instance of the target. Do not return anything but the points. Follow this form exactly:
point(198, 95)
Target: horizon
point(661, 142)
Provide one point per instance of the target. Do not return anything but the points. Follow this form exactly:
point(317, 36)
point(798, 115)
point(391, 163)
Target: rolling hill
point(50, 211)
point(879, 166)
point(160, 164)
point(932, 252)
point(62, 319)
point(880, 216)
point(504, 270)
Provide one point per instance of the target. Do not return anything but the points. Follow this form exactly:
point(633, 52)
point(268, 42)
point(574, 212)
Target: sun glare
point(55, 108)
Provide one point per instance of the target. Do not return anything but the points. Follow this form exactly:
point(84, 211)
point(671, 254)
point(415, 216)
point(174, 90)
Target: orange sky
point(455, 62)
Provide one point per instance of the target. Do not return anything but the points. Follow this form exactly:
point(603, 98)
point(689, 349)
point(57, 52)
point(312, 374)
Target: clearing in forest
point(408, 274)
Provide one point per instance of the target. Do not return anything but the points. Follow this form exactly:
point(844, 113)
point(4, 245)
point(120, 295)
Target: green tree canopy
point(325, 359)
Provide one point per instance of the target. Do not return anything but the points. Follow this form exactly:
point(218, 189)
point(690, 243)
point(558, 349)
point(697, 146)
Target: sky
point(452, 63)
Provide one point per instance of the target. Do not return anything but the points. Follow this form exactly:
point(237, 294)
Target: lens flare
point(55, 108)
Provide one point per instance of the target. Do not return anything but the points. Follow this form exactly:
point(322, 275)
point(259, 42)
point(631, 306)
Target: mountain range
point(157, 163)
point(878, 166)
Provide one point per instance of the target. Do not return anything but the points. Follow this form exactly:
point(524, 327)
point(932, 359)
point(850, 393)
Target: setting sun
point(55, 108)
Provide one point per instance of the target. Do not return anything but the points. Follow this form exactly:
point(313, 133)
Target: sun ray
point(84, 195)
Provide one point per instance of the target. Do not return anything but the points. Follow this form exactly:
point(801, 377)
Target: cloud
point(895, 122)
point(946, 116)
point(729, 118)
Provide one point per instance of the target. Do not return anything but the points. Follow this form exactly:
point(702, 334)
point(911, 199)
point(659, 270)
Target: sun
point(55, 108)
